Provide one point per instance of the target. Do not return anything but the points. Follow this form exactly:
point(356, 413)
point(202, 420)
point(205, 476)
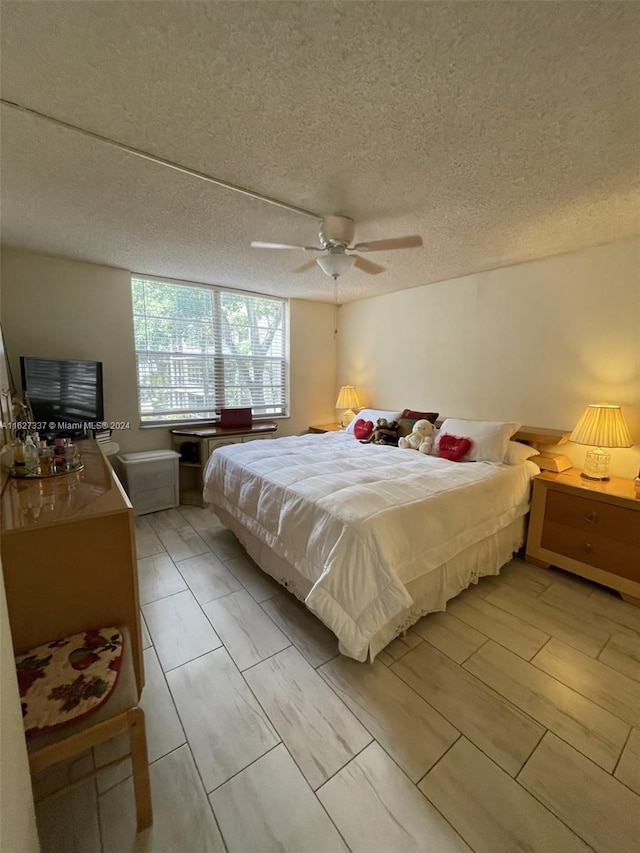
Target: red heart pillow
point(453, 448)
point(362, 428)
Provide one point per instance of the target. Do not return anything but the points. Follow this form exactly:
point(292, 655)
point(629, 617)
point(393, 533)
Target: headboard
point(534, 435)
point(539, 435)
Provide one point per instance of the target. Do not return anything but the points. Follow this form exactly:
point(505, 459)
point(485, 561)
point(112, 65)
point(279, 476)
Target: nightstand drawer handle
point(592, 517)
point(588, 548)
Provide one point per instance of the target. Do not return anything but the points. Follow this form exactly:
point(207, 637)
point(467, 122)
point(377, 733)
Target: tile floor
point(509, 723)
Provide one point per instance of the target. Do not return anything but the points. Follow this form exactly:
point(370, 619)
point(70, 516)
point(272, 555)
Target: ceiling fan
point(336, 233)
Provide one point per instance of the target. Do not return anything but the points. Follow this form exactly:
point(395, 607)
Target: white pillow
point(372, 415)
point(518, 452)
point(490, 438)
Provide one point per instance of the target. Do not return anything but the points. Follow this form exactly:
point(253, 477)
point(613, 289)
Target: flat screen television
point(65, 395)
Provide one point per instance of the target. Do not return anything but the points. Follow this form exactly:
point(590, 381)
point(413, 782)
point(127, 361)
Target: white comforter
point(360, 521)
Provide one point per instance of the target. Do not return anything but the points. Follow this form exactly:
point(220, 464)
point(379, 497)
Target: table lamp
point(601, 426)
point(348, 400)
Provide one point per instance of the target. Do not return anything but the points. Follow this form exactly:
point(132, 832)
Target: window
point(201, 348)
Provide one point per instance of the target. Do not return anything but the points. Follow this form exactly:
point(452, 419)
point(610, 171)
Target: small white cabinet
point(151, 479)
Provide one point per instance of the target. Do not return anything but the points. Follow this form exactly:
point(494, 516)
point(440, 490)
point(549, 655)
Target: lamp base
point(347, 417)
point(596, 465)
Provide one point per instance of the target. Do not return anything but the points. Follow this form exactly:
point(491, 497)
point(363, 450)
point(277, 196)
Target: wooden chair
point(120, 713)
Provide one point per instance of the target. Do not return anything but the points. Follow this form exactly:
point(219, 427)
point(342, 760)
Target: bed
point(372, 537)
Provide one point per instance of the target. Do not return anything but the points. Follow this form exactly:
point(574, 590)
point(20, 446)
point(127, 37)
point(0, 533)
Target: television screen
point(65, 395)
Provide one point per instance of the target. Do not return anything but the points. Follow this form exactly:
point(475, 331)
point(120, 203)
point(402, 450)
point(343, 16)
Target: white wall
point(62, 308)
point(312, 365)
point(535, 342)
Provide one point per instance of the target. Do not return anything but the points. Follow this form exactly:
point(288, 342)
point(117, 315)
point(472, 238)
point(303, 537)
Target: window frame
point(218, 357)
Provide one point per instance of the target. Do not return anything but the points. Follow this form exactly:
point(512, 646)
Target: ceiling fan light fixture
point(335, 236)
point(335, 264)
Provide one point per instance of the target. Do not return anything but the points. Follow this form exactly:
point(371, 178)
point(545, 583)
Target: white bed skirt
point(430, 592)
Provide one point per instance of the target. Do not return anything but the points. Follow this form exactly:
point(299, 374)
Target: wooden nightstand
point(326, 428)
point(587, 527)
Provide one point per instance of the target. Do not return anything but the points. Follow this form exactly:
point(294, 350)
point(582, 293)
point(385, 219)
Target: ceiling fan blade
point(305, 267)
point(258, 244)
point(367, 266)
point(411, 242)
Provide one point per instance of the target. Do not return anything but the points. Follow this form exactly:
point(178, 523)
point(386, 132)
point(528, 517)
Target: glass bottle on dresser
point(45, 456)
point(30, 452)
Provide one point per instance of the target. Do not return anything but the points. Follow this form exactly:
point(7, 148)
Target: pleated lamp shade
point(601, 426)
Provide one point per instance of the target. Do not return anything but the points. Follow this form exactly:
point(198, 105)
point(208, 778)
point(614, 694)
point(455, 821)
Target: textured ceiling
point(500, 132)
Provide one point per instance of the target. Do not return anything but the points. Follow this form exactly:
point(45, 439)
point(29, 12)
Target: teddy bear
point(384, 432)
point(420, 438)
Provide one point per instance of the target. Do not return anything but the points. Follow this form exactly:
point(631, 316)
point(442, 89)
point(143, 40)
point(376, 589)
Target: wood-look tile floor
point(509, 723)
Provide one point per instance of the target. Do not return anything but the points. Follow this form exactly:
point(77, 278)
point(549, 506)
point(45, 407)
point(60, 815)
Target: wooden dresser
point(588, 527)
point(68, 555)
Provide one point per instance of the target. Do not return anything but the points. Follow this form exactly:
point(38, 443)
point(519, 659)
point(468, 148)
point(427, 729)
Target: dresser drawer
point(599, 534)
point(215, 443)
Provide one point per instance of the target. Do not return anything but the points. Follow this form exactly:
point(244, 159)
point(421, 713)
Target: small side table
point(326, 428)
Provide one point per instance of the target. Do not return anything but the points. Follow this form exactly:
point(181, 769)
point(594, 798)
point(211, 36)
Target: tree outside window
point(201, 348)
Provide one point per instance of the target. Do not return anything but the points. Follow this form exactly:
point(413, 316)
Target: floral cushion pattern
point(61, 682)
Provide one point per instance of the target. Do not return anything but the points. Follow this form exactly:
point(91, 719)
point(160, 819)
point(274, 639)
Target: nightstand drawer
point(593, 517)
point(598, 534)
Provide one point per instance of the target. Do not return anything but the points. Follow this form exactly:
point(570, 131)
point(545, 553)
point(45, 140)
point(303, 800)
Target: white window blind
point(201, 348)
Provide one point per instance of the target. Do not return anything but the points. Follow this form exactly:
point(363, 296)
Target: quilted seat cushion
point(73, 683)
